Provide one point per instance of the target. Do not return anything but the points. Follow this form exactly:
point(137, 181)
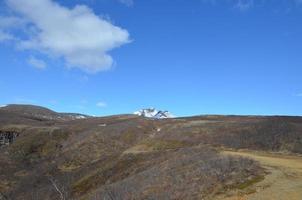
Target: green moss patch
point(248, 183)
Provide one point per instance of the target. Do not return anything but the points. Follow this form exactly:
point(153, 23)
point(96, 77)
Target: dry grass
point(150, 145)
point(123, 161)
point(282, 181)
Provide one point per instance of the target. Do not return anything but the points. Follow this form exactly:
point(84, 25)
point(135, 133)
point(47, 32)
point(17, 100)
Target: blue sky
point(117, 56)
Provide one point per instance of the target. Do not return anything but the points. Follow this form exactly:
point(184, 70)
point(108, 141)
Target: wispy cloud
point(36, 63)
point(7, 23)
point(298, 1)
point(11, 22)
point(101, 104)
point(79, 36)
point(127, 2)
point(238, 4)
point(298, 95)
point(244, 5)
point(53, 102)
point(5, 36)
point(21, 100)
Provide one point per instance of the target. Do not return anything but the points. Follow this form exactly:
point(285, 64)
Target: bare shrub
point(189, 173)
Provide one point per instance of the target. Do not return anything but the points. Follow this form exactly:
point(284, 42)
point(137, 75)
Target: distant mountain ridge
point(40, 112)
point(153, 113)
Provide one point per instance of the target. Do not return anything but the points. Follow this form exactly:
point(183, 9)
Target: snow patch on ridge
point(153, 113)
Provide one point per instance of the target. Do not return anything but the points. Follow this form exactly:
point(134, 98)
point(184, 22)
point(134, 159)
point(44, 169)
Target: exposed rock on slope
point(7, 137)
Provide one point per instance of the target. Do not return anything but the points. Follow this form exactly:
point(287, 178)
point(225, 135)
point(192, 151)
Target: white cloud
point(36, 63)
point(127, 2)
point(76, 34)
point(101, 104)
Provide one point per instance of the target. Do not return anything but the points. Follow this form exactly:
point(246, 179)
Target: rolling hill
point(55, 156)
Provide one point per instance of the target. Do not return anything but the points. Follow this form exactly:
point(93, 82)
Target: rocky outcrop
point(2, 197)
point(7, 137)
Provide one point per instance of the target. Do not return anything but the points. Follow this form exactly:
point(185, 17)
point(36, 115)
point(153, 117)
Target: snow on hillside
point(153, 113)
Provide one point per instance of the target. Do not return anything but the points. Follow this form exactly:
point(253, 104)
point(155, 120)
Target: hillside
point(132, 157)
point(36, 113)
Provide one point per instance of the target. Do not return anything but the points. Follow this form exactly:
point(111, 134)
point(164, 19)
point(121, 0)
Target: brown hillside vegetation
point(130, 157)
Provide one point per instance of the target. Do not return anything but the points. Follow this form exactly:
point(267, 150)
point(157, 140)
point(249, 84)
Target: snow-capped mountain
point(153, 113)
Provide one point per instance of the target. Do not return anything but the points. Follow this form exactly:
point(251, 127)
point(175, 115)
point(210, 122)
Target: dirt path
point(284, 181)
